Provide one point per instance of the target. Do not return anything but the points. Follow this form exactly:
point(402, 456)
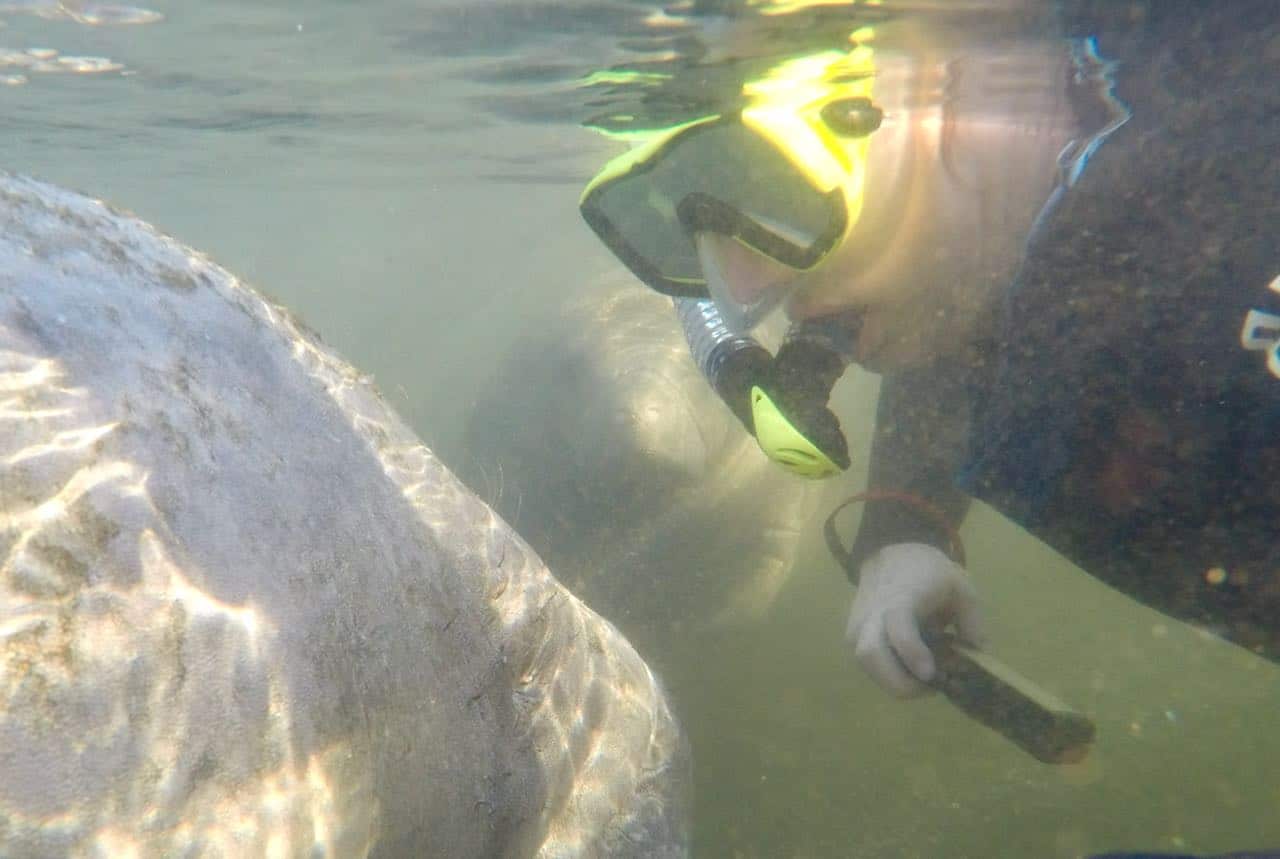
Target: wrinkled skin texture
point(244, 611)
point(602, 442)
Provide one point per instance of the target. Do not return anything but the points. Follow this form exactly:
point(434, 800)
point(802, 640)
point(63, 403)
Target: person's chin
point(890, 336)
point(885, 345)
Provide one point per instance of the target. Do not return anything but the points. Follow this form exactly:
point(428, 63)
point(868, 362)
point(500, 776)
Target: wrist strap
point(955, 547)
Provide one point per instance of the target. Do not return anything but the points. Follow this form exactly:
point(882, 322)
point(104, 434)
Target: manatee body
point(243, 611)
point(604, 446)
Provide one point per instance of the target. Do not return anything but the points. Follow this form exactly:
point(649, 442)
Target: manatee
point(604, 446)
point(245, 612)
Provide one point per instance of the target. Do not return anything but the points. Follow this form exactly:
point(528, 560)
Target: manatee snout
point(645, 434)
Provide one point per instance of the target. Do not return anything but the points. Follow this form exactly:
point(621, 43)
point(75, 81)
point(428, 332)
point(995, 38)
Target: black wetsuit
point(1125, 404)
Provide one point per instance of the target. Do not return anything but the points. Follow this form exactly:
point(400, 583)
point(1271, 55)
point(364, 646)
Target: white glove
point(902, 588)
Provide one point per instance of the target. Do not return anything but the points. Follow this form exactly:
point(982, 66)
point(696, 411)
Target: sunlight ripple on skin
point(282, 811)
point(244, 611)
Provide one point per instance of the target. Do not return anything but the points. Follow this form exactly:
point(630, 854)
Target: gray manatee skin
point(606, 448)
point(244, 612)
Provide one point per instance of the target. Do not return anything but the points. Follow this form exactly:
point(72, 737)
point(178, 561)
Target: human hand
point(902, 589)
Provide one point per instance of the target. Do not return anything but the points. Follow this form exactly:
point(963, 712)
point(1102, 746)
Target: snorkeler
point(1076, 311)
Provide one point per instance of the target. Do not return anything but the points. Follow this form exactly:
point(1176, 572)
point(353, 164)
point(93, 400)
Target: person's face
point(954, 182)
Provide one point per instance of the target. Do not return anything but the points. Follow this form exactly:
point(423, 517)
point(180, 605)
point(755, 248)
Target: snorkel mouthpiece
point(782, 401)
point(786, 445)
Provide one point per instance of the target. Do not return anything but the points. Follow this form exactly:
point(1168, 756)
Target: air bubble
point(47, 61)
point(89, 65)
point(14, 58)
point(110, 15)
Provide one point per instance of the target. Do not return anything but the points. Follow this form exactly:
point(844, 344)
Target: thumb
point(969, 624)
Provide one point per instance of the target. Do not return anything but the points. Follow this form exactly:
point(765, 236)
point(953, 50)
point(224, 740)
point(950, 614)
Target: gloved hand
point(904, 589)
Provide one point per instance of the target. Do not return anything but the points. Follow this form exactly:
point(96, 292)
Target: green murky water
point(406, 176)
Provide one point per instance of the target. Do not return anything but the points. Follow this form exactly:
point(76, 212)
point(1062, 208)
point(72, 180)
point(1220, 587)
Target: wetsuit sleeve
point(922, 421)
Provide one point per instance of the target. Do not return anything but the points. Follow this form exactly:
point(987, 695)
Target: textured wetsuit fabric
point(1128, 410)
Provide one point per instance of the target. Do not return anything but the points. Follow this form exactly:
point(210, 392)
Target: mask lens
point(718, 177)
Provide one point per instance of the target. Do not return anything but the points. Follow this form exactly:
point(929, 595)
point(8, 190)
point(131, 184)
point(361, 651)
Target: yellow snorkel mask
point(781, 179)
